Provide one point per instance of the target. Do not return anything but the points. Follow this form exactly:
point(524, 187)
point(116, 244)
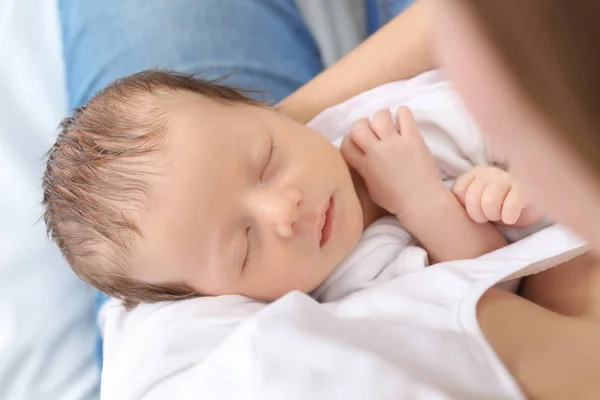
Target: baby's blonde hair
point(96, 179)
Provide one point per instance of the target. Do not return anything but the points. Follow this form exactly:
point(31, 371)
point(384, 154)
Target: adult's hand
point(399, 50)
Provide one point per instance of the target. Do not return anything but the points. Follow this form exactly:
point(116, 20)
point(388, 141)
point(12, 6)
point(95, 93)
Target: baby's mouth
point(327, 223)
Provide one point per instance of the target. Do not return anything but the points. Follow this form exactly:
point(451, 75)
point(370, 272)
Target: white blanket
point(411, 336)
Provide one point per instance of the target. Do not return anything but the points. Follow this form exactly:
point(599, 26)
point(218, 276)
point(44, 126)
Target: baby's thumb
point(460, 186)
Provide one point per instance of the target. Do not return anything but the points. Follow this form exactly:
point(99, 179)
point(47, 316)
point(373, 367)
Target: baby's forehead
point(192, 117)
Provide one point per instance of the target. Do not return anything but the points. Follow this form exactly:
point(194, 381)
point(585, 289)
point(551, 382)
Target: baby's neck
point(371, 211)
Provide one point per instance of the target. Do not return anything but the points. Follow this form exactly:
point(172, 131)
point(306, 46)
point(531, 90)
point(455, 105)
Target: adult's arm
point(570, 289)
point(552, 356)
point(399, 50)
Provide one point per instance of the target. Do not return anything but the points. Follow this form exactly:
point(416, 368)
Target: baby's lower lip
point(327, 227)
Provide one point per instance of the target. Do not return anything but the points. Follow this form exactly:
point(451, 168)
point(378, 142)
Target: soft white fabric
point(47, 329)
point(384, 251)
point(407, 333)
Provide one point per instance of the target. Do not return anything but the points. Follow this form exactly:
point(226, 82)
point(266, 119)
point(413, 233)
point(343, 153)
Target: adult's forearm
point(552, 356)
point(572, 288)
point(399, 50)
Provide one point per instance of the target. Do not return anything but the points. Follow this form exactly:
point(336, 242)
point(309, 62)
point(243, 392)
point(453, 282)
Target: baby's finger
point(362, 134)
point(473, 201)
point(352, 154)
point(492, 198)
point(460, 186)
point(406, 122)
point(513, 206)
point(383, 124)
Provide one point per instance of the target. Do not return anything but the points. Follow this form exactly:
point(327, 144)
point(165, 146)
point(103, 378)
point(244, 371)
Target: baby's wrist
point(418, 207)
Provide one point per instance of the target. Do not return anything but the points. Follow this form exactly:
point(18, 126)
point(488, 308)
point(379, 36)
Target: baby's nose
point(280, 209)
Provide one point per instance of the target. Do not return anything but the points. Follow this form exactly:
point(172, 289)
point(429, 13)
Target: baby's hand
point(492, 194)
point(396, 164)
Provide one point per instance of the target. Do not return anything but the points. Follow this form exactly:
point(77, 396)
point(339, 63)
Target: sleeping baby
point(165, 187)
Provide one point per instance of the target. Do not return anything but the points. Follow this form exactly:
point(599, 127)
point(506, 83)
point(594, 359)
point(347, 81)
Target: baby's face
point(248, 202)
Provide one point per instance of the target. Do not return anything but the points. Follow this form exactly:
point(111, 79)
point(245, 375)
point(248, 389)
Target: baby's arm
point(445, 230)
point(490, 194)
point(401, 177)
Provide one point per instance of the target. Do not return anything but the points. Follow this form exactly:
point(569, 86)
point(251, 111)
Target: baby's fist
point(490, 194)
point(395, 163)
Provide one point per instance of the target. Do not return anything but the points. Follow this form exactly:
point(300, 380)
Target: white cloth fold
point(385, 251)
